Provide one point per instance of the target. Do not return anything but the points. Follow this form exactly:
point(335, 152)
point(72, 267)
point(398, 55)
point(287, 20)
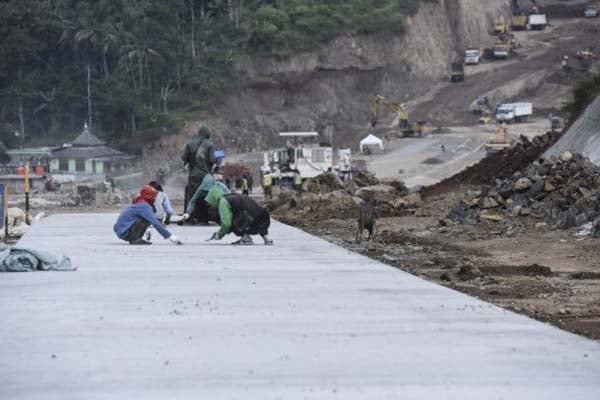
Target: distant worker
point(267, 184)
point(250, 182)
point(443, 148)
point(298, 182)
point(245, 190)
point(164, 210)
point(199, 156)
point(134, 221)
point(565, 63)
point(240, 215)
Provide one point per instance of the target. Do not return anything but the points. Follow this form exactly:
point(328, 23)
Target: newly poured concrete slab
point(303, 319)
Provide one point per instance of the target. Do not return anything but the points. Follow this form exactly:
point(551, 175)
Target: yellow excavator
point(498, 142)
point(500, 25)
point(407, 128)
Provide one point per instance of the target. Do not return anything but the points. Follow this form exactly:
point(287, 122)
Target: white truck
point(514, 112)
point(591, 11)
point(537, 22)
point(472, 57)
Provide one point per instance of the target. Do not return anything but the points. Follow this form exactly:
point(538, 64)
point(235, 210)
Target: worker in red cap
point(133, 222)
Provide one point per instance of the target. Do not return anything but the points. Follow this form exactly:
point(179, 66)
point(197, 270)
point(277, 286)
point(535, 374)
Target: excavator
point(500, 26)
point(407, 128)
point(497, 142)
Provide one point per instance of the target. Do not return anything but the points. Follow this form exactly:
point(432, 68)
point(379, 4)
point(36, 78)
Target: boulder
point(522, 185)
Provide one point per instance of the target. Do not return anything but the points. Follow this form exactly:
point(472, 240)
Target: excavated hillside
point(332, 86)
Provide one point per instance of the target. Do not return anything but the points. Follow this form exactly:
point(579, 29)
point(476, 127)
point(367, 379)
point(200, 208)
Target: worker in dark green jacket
point(199, 156)
point(240, 215)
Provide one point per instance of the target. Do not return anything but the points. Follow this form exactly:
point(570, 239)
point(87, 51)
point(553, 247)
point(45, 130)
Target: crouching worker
point(240, 215)
point(207, 183)
point(133, 222)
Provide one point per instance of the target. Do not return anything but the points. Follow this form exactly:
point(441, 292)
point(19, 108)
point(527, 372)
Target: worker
point(240, 215)
point(245, 191)
point(164, 210)
point(207, 183)
point(134, 221)
point(199, 156)
point(267, 183)
point(298, 182)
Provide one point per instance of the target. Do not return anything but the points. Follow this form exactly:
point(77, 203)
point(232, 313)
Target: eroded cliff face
point(333, 85)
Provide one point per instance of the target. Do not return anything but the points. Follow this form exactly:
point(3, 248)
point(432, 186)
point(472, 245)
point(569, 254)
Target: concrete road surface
point(303, 319)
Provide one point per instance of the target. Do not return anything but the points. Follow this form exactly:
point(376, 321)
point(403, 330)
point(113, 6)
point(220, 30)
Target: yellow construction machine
point(500, 25)
point(497, 142)
point(406, 127)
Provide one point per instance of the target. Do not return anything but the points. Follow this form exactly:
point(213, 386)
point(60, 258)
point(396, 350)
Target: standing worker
point(199, 156)
point(298, 182)
point(133, 222)
point(245, 191)
point(240, 215)
point(267, 183)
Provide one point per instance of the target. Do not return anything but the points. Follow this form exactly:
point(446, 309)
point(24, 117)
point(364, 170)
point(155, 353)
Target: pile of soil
point(497, 166)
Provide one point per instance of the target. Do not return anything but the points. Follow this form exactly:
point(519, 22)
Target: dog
point(366, 220)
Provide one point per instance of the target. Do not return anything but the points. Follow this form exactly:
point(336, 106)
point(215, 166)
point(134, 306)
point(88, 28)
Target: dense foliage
point(133, 68)
point(584, 93)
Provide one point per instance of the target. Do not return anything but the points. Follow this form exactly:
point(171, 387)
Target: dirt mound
point(496, 166)
point(327, 196)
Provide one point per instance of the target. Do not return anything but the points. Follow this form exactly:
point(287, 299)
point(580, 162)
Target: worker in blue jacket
point(137, 218)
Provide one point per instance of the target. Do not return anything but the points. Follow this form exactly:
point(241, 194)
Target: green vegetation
point(134, 69)
point(584, 93)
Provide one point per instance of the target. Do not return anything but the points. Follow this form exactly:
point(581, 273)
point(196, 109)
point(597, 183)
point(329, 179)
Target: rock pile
point(563, 191)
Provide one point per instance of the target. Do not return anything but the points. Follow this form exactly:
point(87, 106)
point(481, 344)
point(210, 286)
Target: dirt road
point(522, 75)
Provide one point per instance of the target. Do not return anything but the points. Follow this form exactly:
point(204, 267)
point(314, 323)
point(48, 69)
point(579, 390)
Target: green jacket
point(216, 198)
point(199, 155)
point(207, 183)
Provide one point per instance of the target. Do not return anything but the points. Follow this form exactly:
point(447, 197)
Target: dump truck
point(502, 47)
point(514, 112)
point(519, 22)
point(457, 73)
point(537, 22)
point(472, 56)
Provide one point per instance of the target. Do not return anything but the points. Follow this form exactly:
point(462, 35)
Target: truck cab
point(472, 56)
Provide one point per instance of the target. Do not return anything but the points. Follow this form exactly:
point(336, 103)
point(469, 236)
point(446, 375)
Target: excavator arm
point(378, 100)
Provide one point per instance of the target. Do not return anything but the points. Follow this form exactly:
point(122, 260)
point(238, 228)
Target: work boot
point(244, 240)
point(267, 240)
point(139, 242)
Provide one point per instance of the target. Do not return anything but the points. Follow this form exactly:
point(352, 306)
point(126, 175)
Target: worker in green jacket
point(240, 215)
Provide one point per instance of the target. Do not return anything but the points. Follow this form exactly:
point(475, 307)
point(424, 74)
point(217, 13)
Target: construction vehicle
point(497, 142)
point(308, 160)
point(537, 22)
point(406, 127)
point(457, 72)
point(472, 56)
point(500, 25)
point(519, 18)
point(557, 122)
point(592, 11)
point(587, 52)
point(503, 46)
point(514, 112)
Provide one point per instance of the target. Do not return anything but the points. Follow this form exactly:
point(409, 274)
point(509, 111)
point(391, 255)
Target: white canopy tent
point(370, 142)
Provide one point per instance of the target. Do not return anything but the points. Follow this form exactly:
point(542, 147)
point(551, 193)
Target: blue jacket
point(132, 213)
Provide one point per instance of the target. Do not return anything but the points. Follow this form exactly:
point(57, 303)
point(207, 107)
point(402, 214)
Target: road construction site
point(301, 319)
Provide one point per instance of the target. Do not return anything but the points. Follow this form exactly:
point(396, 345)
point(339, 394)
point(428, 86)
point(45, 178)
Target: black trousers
point(201, 208)
point(137, 230)
point(260, 226)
